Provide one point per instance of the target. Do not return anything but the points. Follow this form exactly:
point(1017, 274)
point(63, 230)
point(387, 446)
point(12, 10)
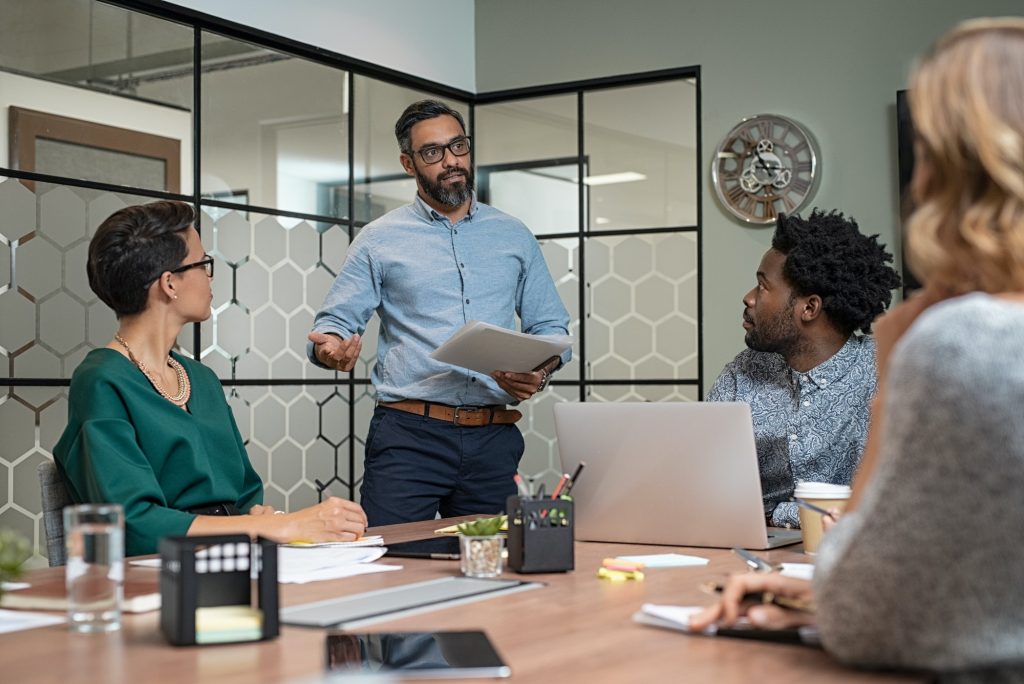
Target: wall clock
point(765, 165)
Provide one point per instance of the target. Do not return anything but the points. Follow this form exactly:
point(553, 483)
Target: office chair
point(55, 497)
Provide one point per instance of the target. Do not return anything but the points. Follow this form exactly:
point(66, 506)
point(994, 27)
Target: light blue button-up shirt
point(426, 278)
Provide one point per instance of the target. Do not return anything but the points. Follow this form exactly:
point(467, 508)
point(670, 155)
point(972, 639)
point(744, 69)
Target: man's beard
point(454, 195)
point(778, 335)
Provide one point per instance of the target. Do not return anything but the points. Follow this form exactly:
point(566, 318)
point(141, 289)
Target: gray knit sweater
point(929, 573)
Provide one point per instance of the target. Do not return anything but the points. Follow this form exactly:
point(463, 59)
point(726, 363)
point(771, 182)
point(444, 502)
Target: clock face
point(765, 165)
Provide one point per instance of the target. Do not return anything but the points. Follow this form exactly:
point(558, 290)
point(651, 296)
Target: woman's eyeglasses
point(206, 262)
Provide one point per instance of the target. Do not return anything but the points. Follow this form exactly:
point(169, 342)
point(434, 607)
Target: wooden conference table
point(578, 628)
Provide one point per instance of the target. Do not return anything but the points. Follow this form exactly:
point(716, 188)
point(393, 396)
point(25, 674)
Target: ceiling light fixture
point(611, 178)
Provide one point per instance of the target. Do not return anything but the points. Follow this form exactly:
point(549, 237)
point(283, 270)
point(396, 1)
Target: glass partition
point(51, 318)
point(298, 149)
point(642, 319)
point(271, 273)
point(641, 146)
point(95, 92)
point(274, 128)
point(527, 163)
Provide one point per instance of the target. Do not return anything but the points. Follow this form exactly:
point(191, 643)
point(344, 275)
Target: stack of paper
point(486, 348)
point(314, 563)
point(669, 617)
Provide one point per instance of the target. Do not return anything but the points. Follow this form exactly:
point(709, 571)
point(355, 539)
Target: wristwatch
point(545, 377)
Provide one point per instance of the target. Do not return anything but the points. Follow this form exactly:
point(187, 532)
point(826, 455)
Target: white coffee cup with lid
point(824, 495)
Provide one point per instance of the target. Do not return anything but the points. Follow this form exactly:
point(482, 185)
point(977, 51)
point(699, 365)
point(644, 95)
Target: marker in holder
point(540, 534)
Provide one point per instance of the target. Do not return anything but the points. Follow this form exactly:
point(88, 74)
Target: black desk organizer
point(540, 534)
point(221, 578)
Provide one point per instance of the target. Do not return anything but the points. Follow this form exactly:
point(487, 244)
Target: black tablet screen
point(429, 654)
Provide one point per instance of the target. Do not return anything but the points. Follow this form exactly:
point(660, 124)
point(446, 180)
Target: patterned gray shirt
point(808, 426)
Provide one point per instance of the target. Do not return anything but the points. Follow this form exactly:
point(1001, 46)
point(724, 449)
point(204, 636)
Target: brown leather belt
point(463, 416)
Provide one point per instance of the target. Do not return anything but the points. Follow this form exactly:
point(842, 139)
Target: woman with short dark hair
point(149, 428)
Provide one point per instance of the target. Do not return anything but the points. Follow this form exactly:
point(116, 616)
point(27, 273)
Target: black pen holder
point(216, 571)
point(540, 534)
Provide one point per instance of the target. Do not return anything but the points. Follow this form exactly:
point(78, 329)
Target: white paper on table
point(486, 348)
point(311, 564)
point(804, 571)
point(665, 560)
point(146, 563)
point(671, 617)
point(17, 620)
point(336, 573)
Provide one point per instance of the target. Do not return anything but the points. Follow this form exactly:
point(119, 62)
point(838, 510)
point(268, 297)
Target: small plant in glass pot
point(481, 546)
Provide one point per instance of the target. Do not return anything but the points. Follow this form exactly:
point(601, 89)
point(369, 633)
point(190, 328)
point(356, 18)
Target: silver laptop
point(672, 473)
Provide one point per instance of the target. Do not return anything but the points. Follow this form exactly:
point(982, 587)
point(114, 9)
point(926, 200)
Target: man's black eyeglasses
point(206, 262)
point(432, 154)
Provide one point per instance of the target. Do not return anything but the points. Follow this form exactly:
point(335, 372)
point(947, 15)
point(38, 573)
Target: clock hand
point(764, 165)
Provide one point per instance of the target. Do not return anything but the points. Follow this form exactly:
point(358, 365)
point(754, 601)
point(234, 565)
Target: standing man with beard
point(441, 438)
point(806, 374)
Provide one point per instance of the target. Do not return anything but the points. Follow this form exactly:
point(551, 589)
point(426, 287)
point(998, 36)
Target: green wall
point(833, 66)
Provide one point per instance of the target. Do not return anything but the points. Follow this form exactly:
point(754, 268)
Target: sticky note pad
point(222, 624)
point(665, 560)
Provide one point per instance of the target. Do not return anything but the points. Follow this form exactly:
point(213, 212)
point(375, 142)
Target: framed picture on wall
point(63, 146)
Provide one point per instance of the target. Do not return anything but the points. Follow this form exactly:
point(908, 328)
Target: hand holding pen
point(768, 600)
point(828, 517)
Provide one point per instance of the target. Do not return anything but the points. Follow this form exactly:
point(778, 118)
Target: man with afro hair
point(809, 370)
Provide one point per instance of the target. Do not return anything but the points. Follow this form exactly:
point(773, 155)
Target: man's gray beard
point(454, 196)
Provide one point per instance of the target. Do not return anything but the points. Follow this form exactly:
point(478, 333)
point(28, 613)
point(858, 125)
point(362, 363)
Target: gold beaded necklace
point(184, 386)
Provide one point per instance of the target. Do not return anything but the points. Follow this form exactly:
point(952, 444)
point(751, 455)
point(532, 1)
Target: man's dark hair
point(132, 248)
point(827, 255)
point(421, 111)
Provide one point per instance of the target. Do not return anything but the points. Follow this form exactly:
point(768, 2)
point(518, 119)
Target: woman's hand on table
point(333, 519)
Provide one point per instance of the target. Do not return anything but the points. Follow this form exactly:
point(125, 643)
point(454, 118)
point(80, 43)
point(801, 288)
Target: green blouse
point(126, 444)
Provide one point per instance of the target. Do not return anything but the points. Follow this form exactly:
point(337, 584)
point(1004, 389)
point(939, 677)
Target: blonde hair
point(967, 103)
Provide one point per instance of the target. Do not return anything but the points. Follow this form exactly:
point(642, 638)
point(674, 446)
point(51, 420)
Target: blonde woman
point(149, 428)
point(925, 573)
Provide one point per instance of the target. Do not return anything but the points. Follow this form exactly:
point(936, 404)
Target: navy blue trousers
point(416, 467)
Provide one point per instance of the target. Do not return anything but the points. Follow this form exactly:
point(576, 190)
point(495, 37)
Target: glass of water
point(94, 535)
